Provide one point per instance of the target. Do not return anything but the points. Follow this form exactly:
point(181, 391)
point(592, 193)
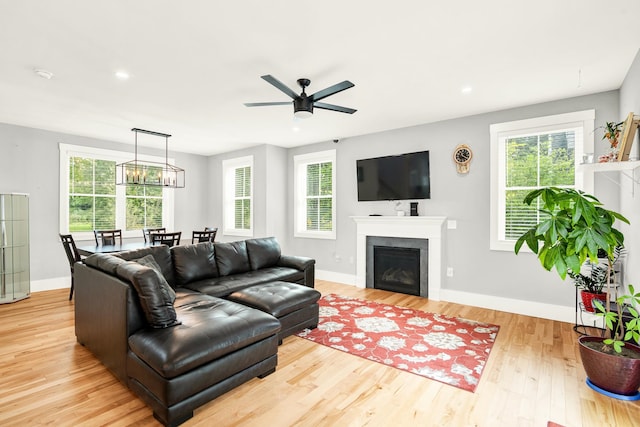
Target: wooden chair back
point(108, 237)
point(72, 255)
point(208, 235)
point(146, 231)
point(169, 239)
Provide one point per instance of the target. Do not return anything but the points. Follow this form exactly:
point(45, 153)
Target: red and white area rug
point(446, 349)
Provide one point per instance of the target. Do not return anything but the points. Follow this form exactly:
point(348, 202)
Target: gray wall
point(464, 198)
point(29, 163)
point(630, 190)
point(269, 178)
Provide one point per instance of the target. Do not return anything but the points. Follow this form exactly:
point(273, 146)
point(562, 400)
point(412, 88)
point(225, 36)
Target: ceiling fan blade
point(339, 87)
point(332, 107)
point(277, 83)
point(265, 104)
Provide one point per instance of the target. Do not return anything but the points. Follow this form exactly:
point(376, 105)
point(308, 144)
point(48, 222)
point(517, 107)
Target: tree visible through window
point(530, 154)
point(535, 161)
point(315, 194)
point(92, 194)
point(144, 206)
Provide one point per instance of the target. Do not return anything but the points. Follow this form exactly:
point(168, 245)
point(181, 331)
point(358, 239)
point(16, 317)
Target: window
point(315, 193)
point(89, 198)
point(530, 154)
point(238, 199)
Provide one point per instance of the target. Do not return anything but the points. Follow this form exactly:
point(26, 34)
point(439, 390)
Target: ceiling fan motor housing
point(303, 103)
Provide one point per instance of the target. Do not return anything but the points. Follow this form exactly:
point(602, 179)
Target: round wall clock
point(462, 157)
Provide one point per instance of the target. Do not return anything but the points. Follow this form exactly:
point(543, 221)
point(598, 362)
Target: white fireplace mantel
point(417, 227)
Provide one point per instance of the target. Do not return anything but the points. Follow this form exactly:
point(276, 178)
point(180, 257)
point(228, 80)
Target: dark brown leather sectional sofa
point(159, 319)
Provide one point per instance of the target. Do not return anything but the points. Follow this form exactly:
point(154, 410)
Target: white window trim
point(499, 132)
point(67, 151)
point(300, 184)
point(228, 181)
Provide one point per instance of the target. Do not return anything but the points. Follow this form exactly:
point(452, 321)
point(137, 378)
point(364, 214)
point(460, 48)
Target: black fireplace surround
point(398, 265)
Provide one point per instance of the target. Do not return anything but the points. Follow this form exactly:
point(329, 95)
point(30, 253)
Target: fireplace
point(429, 229)
point(396, 269)
point(398, 264)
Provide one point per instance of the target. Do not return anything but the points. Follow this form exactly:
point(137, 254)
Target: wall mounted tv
point(402, 177)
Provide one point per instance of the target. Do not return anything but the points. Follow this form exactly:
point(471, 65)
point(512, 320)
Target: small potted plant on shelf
point(612, 132)
point(574, 227)
point(592, 283)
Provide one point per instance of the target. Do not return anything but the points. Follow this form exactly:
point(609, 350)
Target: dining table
point(107, 249)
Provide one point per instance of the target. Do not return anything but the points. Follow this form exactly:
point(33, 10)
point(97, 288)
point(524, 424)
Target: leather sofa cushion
point(232, 257)
point(155, 295)
point(225, 285)
point(210, 328)
point(194, 262)
point(161, 254)
point(263, 252)
point(104, 262)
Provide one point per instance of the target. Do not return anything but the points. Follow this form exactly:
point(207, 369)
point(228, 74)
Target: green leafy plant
point(573, 228)
point(612, 132)
point(596, 279)
point(622, 331)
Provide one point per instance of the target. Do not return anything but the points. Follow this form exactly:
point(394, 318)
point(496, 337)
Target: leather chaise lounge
point(160, 318)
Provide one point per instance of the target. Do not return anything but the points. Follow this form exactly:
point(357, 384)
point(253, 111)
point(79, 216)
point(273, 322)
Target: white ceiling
point(194, 63)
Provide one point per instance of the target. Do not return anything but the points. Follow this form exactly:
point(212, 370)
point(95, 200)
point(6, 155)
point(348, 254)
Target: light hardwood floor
point(533, 375)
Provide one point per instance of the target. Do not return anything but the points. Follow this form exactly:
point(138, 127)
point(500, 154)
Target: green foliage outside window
point(242, 196)
point(532, 162)
point(91, 194)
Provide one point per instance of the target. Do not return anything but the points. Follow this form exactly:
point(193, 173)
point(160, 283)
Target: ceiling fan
point(303, 104)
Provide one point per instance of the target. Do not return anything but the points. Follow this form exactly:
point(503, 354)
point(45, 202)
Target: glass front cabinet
point(14, 247)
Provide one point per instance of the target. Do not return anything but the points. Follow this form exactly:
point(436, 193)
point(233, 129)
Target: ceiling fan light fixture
point(302, 107)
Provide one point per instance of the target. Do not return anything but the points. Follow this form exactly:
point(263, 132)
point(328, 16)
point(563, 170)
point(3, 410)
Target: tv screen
point(403, 177)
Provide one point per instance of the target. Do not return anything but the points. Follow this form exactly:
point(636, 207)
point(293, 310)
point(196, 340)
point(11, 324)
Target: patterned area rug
point(446, 349)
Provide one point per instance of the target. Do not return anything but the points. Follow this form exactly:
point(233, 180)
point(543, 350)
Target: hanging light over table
point(135, 172)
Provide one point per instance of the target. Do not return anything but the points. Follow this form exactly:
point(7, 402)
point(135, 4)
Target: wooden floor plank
point(533, 375)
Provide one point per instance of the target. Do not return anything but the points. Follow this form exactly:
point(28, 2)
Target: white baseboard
point(50, 284)
point(560, 313)
point(331, 276)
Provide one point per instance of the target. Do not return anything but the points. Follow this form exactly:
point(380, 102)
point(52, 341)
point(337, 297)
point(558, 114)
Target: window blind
point(319, 197)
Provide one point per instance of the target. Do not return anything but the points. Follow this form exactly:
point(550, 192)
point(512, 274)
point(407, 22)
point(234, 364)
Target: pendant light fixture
point(135, 172)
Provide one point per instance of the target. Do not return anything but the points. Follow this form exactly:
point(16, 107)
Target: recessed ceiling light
point(122, 75)
point(467, 89)
point(45, 74)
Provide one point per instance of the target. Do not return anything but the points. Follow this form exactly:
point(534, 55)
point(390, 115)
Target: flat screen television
point(402, 177)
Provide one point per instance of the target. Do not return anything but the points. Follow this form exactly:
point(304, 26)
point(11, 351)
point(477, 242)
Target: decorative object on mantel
point(462, 157)
point(135, 172)
point(628, 133)
point(451, 350)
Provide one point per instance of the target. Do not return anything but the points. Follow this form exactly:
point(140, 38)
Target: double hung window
point(238, 196)
point(315, 194)
point(530, 154)
point(90, 199)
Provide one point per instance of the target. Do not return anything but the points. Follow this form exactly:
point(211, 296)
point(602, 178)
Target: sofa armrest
point(304, 264)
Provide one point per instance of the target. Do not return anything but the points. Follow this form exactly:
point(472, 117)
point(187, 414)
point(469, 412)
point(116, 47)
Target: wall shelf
point(627, 169)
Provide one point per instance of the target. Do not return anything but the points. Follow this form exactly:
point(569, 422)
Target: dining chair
point(169, 239)
point(146, 231)
point(208, 235)
point(108, 237)
point(72, 255)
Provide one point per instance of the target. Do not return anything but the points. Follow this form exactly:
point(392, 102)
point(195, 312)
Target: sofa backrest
point(194, 262)
point(263, 252)
point(232, 257)
point(162, 255)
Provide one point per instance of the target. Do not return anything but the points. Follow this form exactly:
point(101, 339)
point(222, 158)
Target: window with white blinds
point(531, 154)
point(238, 196)
point(91, 200)
point(315, 195)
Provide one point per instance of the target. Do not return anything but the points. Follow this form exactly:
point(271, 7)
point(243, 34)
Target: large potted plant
point(573, 228)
